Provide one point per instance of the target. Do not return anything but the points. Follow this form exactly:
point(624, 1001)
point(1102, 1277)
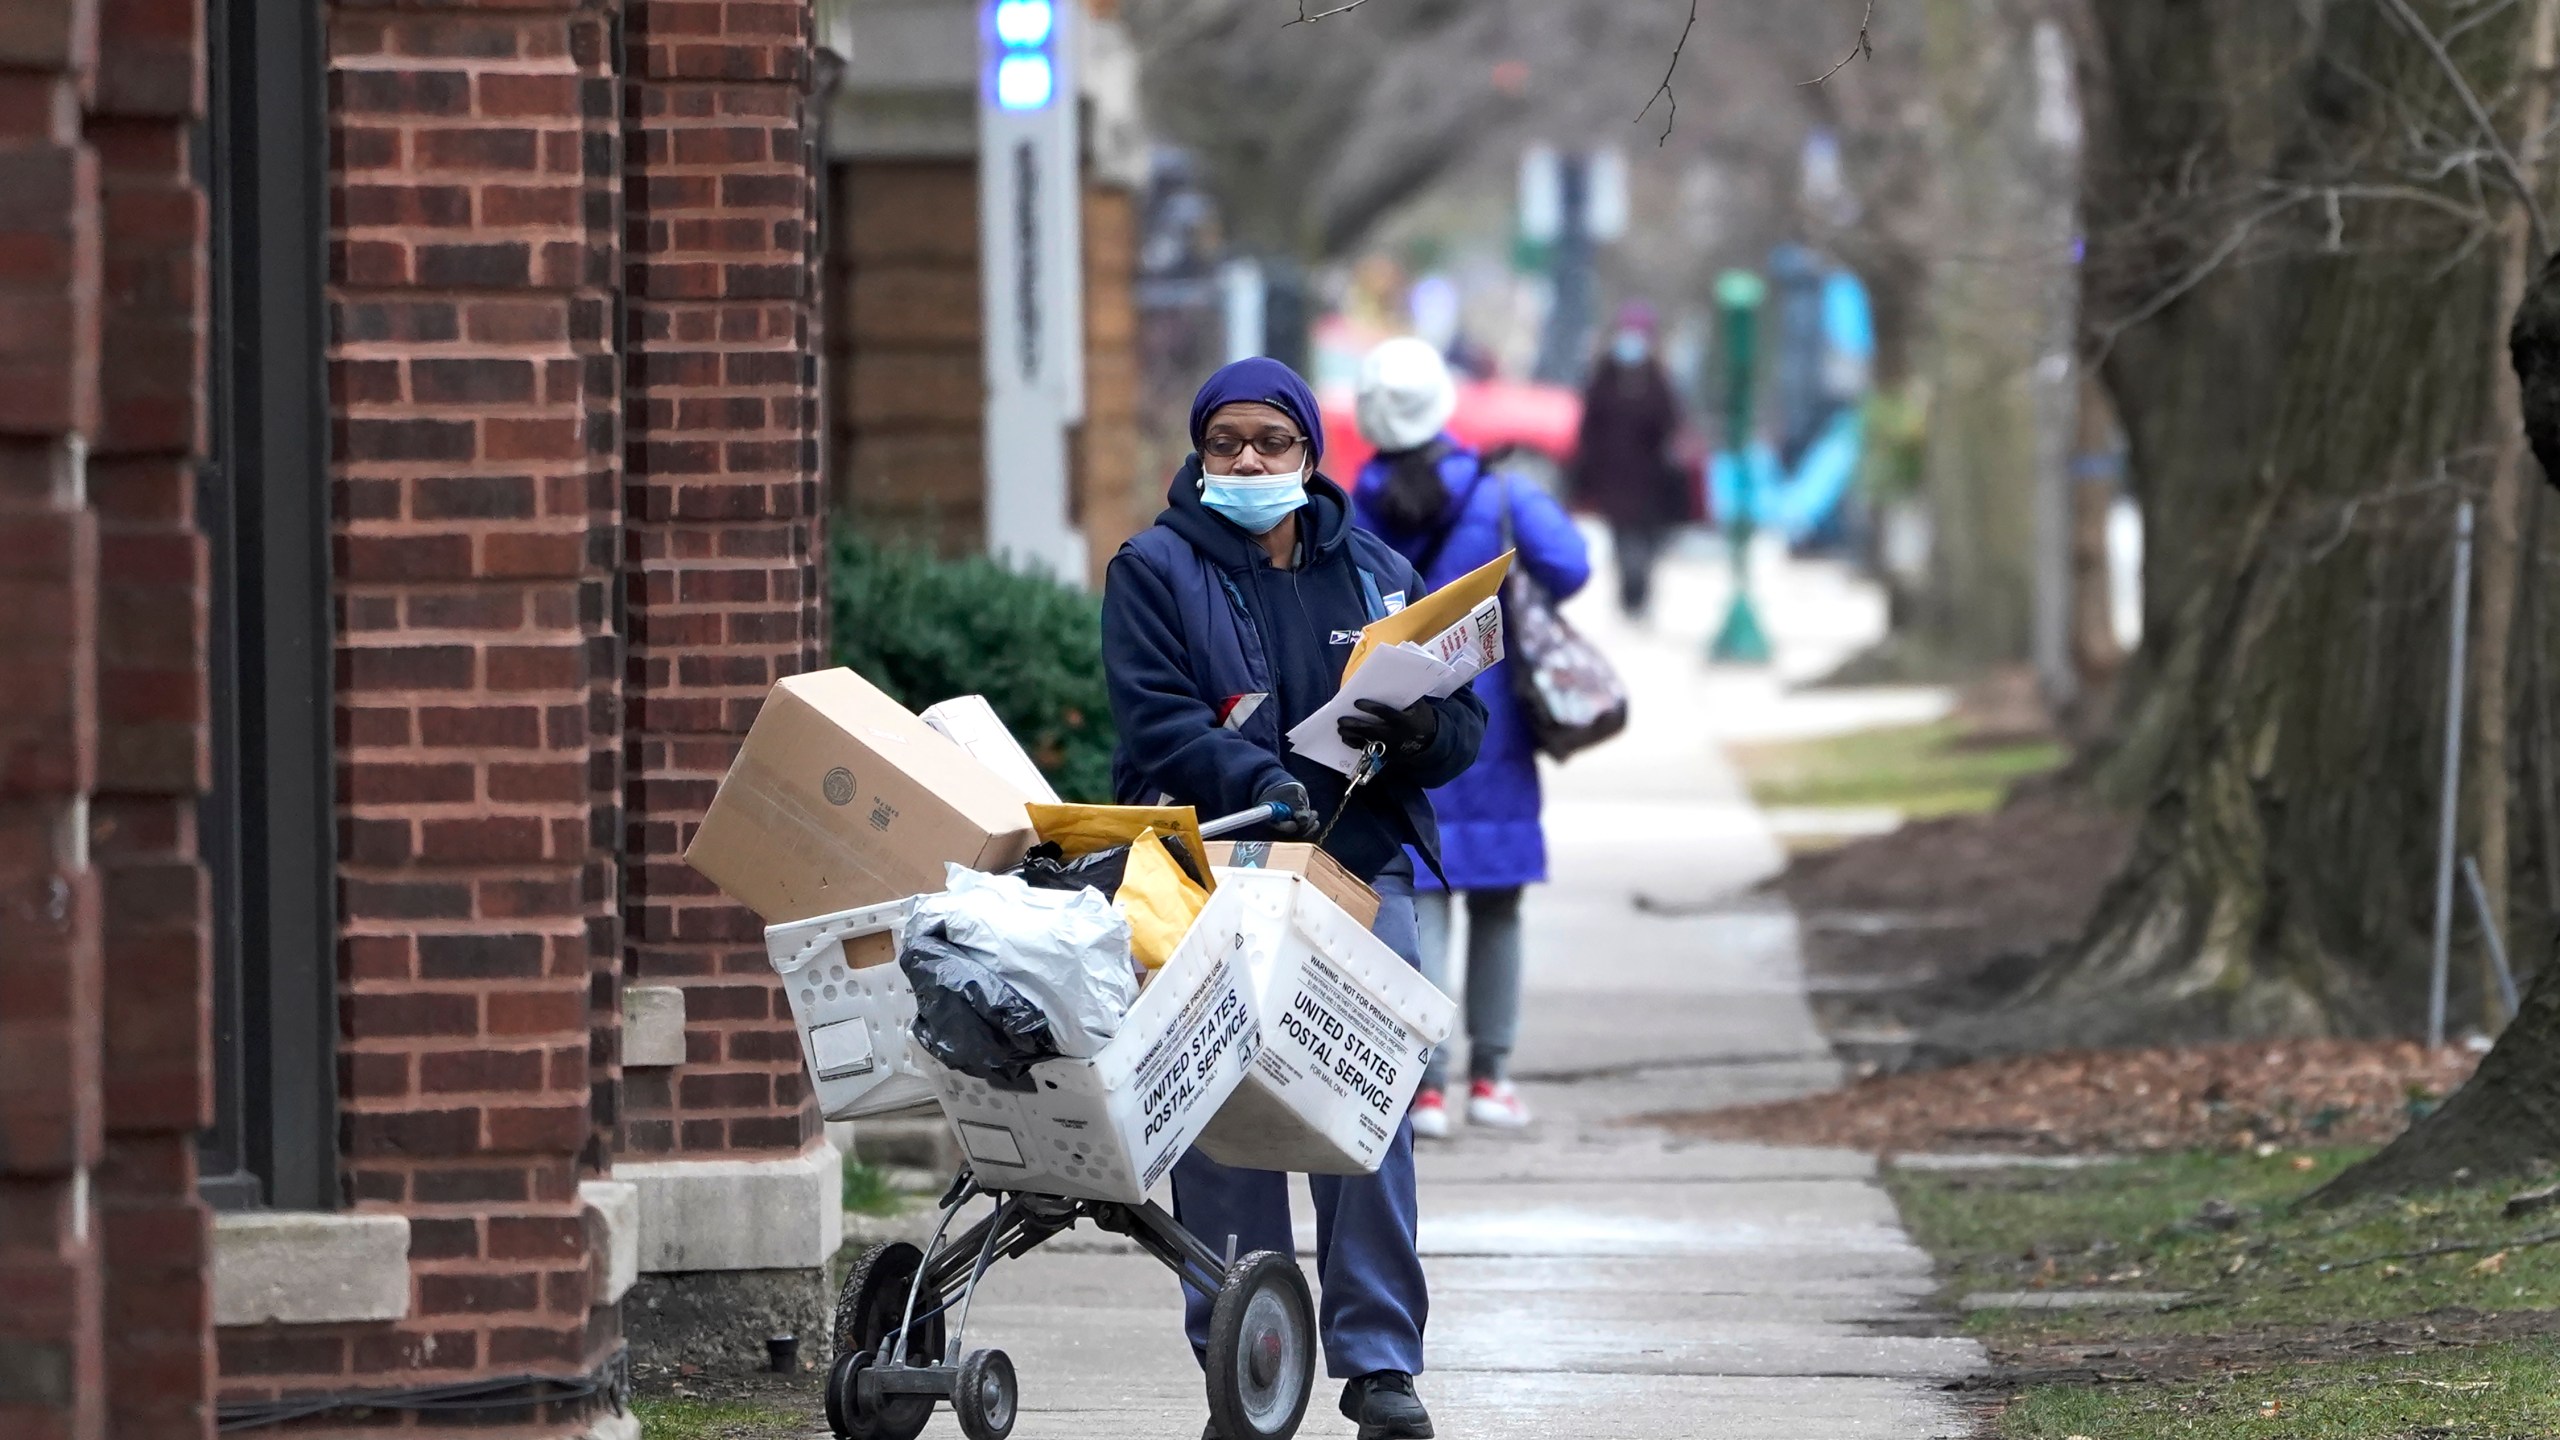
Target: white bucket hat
point(1405, 395)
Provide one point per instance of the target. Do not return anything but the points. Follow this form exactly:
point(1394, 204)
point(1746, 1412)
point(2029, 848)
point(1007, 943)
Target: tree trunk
point(2507, 1119)
point(2505, 1122)
point(1997, 281)
point(2502, 517)
point(2182, 116)
point(2303, 382)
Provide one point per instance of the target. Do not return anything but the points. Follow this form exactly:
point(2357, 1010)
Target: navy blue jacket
point(1213, 653)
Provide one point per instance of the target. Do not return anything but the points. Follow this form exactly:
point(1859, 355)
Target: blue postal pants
point(1374, 1302)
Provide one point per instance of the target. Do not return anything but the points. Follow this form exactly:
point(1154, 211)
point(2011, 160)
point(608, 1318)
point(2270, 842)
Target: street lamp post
point(1739, 294)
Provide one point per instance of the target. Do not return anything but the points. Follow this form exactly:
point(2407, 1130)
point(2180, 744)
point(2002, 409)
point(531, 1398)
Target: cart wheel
point(984, 1397)
point(1262, 1352)
point(867, 1314)
point(843, 1397)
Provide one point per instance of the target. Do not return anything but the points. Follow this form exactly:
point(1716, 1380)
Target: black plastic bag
point(1045, 867)
point(971, 1019)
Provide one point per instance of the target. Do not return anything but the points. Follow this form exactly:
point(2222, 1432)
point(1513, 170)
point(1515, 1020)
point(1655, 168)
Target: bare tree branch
point(2516, 179)
point(1663, 90)
point(1865, 49)
point(1306, 19)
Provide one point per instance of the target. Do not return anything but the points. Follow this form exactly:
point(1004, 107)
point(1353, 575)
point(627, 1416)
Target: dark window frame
point(268, 828)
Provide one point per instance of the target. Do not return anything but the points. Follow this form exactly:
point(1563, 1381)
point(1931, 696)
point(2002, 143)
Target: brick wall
point(905, 353)
point(51, 1131)
point(153, 760)
point(103, 1311)
point(721, 505)
point(1116, 495)
point(471, 283)
point(904, 356)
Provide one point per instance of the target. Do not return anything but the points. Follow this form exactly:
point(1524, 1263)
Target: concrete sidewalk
point(1594, 1279)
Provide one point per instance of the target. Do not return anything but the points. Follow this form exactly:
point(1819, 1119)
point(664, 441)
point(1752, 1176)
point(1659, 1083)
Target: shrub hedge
point(926, 629)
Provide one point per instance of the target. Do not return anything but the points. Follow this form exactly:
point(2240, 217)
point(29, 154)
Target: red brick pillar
point(154, 579)
point(472, 271)
point(51, 1132)
point(738, 1195)
point(103, 1304)
point(722, 529)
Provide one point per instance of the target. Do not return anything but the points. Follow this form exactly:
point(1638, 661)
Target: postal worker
point(1224, 625)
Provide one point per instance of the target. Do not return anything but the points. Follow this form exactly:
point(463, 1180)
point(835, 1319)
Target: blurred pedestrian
point(1437, 504)
point(1223, 625)
point(1623, 469)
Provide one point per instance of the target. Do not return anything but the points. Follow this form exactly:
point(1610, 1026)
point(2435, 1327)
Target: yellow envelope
point(1424, 619)
point(1159, 901)
point(1079, 830)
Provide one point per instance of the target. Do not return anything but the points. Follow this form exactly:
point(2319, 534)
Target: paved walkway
point(1593, 1279)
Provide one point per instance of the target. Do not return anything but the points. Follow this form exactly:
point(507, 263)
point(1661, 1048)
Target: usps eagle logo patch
point(1240, 708)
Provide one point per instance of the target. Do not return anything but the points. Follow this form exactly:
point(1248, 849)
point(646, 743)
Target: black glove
point(1301, 819)
point(1406, 732)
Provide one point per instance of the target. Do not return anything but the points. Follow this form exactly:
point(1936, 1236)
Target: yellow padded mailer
point(1159, 900)
point(1079, 830)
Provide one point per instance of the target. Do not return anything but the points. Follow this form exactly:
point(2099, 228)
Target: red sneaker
point(1431, 1116)
point(1496, 1106)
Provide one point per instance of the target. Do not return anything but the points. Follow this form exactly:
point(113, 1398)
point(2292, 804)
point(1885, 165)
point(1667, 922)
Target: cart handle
point(1269, 812)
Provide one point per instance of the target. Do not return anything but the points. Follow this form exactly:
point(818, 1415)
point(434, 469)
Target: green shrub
point(926, 629)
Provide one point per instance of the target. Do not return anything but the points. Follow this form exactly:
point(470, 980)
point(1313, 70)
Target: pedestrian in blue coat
point(1437, 504)
point(1224, 625)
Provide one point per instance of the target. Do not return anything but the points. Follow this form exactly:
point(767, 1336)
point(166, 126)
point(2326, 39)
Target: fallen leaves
point(2265, 1097)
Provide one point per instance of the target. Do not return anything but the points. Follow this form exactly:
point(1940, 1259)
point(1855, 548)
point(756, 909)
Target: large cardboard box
point(1347, 1029)
point(852, 1009)
point(1297, 857)
point(1110, 1127)
point(842, 798)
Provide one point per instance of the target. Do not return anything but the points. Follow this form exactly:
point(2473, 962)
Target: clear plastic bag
point(1066, 952)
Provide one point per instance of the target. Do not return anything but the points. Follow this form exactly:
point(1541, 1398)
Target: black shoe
point(1384, 1406)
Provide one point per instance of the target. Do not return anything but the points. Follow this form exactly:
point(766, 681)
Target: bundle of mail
point(1428, 649)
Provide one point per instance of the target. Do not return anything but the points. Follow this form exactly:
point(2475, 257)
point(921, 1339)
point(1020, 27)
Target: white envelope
point(1399, 675)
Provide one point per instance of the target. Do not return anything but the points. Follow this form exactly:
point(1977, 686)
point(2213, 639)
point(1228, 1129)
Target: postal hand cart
point(896, 1356)
point(901, 1322)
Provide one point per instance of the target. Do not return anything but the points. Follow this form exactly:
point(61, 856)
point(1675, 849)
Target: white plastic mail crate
point(1347, 1029)
point(853, 1022)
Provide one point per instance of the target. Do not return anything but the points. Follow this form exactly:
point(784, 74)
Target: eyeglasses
point(1273, 446)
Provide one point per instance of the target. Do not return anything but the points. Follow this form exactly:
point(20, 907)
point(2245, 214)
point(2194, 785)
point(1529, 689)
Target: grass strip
point(2226, 1229)
point(1923, 771)
point(2492, 1392)
point(674, 1419)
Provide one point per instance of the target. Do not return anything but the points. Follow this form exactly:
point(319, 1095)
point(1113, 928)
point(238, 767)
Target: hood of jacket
point(1325, 521)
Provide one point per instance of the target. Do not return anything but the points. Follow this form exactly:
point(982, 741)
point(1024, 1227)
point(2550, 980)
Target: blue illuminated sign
point(1021, 24)
point(1025, 77)
point(1024, 82)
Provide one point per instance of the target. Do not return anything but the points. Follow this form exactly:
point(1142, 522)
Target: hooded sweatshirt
point(1213, 653)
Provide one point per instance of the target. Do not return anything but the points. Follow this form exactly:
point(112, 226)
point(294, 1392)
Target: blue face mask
point(1256, 502)
point(1630, 347)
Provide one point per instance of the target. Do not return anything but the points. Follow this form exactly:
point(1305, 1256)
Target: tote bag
point(1571, 693)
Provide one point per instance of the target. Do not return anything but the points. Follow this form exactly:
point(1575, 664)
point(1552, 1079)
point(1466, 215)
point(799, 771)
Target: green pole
point(1739, 294)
